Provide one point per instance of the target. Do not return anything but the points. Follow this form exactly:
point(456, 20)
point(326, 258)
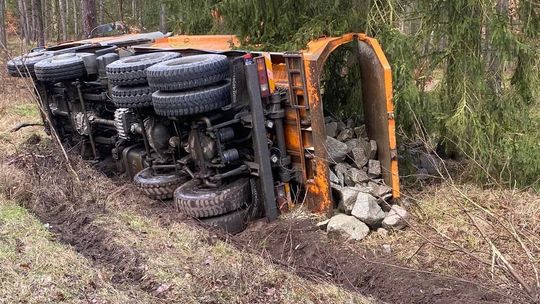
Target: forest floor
point(92, 239)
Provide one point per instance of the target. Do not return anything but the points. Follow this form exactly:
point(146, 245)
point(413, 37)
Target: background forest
point(466, 72)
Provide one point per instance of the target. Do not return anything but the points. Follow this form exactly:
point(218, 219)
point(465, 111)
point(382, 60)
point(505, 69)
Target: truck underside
point(228, 134)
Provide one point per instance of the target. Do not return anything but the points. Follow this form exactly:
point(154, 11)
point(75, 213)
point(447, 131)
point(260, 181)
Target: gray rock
point(360, 131)
point(386, 249)
point(359, 156)
point(334, 178)
point(358, 176)
point(374, 168)
point(323, 225)
point(345, 135)
point(367, 210)
point(431, 163)
point(422, 174)
point(331, 129)
point(396, 219)
point(382, 232)
point(350, 123)
point(371, 149)
point(341, 171)
point(348, 227)
point(347, 199)
point(364, 188)
point(341, 126)
point(353, 143)
point(380, 190)
point(337, 151)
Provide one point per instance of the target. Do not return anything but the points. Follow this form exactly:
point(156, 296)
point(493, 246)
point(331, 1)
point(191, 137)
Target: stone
point(341, 171)
point(334, 178)
point(382, 232)
point(353, 143)
point(364, 188)
point(396, 219)
point(341, 126)
point(380, 190)
point(347, 199)
point(431, 163)
point(374, 168)
point(359, 156)
point(358, 176)
point(360, 131)
point(368, 210)
point(347, 227)
point(337, 151)
point(345, 135)
point(371, 149)
point(386, 249)
point(350, 123)
point(331, 129)
point(323, 225)
point(422, 174)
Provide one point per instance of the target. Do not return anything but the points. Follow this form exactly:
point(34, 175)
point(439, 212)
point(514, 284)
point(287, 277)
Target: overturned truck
point(229, 135)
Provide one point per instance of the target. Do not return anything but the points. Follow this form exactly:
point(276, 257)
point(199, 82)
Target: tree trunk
point(3, 37)
point(75, 21)
point(100, 11)
point(163, 17)
point(89, 16)
point(32, 22)
point(22, 20)
point(121, 10)
point(38, 18)
point(63, 24)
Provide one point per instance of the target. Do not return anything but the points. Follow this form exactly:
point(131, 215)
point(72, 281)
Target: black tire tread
point(161, 190)
point(128, 71)
point(132, 97)
point(206, 99)
point(233, 223)
point(208, 204)
point(200, 70)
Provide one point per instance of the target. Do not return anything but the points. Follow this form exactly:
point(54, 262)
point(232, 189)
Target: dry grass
point(448, 239)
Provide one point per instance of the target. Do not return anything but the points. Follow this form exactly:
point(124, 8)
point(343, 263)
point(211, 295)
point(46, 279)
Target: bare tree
point(37, 16)
point(163, 16)
point(100, 11)
point(89, 16)
point(75, 20)
point(63, 23)
point(3, 37)
point(21, 6)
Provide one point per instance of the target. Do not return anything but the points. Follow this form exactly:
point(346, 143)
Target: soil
point(298, 244)
point(292, 243)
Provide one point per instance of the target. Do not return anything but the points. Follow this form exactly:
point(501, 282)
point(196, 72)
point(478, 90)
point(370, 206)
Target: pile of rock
point(361, 195)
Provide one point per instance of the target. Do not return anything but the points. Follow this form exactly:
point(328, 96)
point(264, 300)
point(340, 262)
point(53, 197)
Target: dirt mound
point(298, 244)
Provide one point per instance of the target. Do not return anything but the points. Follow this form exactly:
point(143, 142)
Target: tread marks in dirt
point(298, 245)
point(71, 217)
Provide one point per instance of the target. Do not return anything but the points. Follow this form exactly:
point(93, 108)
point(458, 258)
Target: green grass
point(26, 110)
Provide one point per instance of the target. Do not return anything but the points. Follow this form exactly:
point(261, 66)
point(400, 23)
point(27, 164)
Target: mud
point(297, 245)
point(70, 211)
point(300, 246)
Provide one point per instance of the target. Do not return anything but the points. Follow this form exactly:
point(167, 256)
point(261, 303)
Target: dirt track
point(293, 244)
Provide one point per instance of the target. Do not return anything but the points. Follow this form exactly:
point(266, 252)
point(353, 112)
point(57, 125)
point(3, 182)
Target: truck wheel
point(23, 66)
point(132, 70)
point(234, 222)
point(197, 101)
point(193, 199)
point(61, 67)
point(188, 72)
point(159, 186)
point(132, 97)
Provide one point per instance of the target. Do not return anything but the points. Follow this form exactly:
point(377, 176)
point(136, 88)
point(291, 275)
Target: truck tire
point(188, 72)
point(132, 70)
point(233, 223)
point(206, 99)
point(23, 66)
point(61, 67)
point(194, 200)
point(132, 97)
point(159, 186)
